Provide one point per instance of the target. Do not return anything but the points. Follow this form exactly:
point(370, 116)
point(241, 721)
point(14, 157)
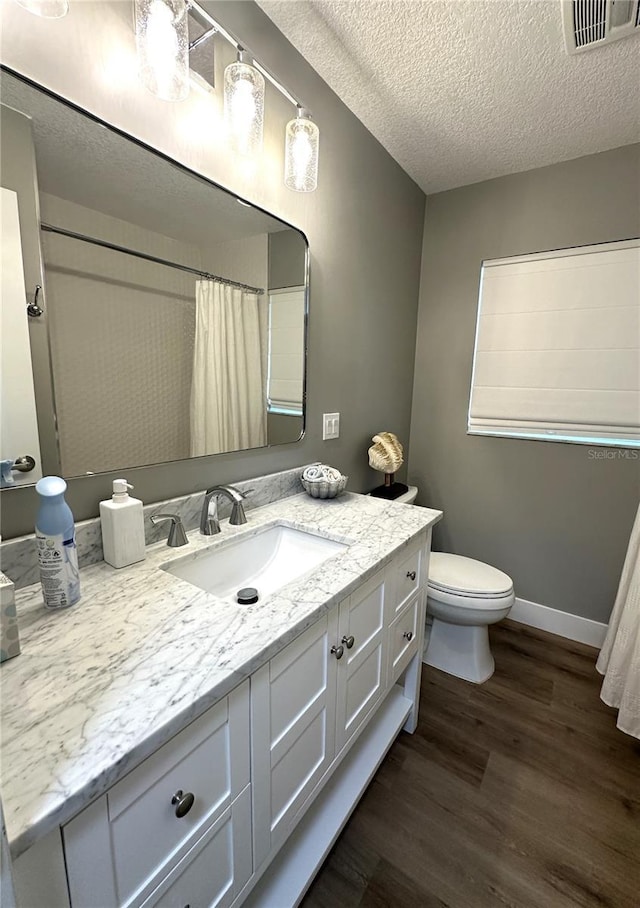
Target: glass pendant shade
point(162, 39)
point(301, 153)
point(47, 9)
point(244, 106)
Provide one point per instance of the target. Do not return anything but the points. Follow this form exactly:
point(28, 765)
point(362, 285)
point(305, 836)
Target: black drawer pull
point(183, 802)
point(408, 635)
point(411, 575)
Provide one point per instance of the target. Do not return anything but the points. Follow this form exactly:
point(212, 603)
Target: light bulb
point(47, 9)
point(301, 153)
point(162, 40)
point(244, 105)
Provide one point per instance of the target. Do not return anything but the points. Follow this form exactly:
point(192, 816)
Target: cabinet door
point(405, 637)
point(293, 731)
point(410, 573)
point(212, 874)
point(362, 668)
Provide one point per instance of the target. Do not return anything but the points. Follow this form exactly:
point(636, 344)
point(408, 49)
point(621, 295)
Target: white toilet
point(464, 597)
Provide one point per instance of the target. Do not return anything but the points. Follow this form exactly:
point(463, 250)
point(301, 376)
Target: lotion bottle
point(56, 541)
point(122, 524)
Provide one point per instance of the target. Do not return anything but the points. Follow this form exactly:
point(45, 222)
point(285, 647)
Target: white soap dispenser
point(122, 524)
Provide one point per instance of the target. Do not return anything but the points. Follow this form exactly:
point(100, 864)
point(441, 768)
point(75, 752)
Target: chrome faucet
point(209, 522)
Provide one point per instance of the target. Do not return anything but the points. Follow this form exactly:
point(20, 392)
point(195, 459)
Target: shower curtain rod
point(149, 258)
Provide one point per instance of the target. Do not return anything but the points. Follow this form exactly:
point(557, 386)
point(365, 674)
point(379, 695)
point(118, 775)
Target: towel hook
point(33, 309)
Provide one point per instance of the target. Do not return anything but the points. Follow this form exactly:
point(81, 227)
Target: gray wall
point(282, 429)
point(286, 259)
point(364, 226)
point(556, 517)
point(286, 269)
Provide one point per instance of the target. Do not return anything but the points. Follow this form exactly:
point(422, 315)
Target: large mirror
point(166, 317)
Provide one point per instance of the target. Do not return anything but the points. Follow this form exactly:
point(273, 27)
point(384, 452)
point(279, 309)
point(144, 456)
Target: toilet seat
point(487, 604)
point(457, 575)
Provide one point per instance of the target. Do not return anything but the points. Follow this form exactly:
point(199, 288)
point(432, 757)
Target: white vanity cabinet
point(185, 810)
point(242, 806)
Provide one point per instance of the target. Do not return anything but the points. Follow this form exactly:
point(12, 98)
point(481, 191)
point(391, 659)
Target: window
point(286, 351)
point(557, 352)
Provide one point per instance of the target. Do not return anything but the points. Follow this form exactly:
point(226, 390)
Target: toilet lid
point(455, 573)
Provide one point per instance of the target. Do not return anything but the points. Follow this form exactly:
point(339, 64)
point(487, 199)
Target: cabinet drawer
point(214, 871)
point(403, 637)
point(135, 832)
point(408, 575)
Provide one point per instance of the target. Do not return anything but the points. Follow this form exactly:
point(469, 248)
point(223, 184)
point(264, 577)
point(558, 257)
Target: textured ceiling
point(460, 91)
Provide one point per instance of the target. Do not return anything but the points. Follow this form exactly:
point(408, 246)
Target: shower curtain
point(228, 390)
point(619, 659)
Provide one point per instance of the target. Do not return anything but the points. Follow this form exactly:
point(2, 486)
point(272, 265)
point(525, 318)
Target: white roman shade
point(557, 352)
point(286, 350)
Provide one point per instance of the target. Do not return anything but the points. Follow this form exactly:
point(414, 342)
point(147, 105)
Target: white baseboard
point(573, 627)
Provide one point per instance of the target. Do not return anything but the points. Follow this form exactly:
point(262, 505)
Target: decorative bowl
point(324, 488)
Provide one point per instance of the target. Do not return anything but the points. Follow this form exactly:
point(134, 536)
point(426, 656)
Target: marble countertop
point(100, 686)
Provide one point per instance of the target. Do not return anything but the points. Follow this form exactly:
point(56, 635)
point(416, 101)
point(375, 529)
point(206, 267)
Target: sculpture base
point(391, 492)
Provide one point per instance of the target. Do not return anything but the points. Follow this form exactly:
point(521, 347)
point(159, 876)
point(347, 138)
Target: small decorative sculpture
point(385, 454)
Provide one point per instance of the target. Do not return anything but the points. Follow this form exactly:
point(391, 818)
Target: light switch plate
point(330, 426)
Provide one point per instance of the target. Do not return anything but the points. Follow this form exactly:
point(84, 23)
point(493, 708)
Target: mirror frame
point(20, 77)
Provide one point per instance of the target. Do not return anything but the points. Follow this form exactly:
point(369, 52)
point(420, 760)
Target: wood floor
point(517, 792)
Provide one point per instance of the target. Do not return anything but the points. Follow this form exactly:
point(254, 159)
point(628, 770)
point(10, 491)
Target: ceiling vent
point(590, 23)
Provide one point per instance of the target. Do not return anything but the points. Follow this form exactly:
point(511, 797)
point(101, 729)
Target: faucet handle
point(238, 516)
point(177, 535)
point(209, 521)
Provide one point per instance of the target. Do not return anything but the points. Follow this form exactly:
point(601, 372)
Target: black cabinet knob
point(183, 802)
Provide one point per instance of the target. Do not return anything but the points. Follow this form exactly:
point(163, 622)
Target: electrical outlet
point(330, 426)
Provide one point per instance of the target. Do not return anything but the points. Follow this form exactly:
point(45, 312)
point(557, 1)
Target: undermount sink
point(267, 561)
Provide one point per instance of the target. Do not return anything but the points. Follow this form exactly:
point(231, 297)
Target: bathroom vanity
point(162, 746)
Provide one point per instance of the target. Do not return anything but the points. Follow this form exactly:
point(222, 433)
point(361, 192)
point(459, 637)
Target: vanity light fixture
point(244, 104)
point(301, 153)
point(301, 135)
point(162, 40)
point(46, 9)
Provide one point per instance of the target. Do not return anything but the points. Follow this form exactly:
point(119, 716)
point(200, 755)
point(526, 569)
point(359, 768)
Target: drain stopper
point(247, 596)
